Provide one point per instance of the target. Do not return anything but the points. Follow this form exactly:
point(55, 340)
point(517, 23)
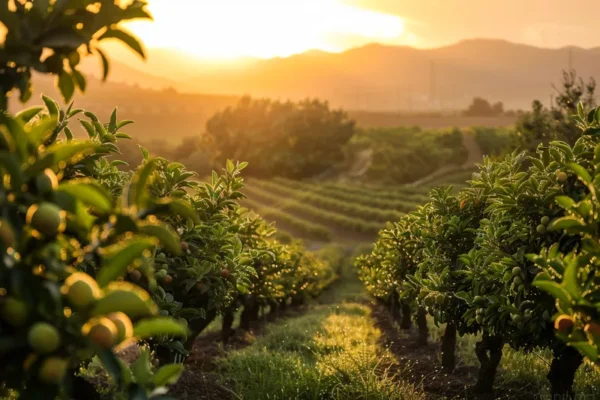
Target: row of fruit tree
point(93, 258)
point(514, 257)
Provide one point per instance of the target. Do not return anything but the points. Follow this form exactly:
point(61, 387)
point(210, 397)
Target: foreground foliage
point(504, 257)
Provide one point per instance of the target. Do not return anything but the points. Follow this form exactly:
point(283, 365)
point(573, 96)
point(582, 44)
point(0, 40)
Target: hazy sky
point(267, 28)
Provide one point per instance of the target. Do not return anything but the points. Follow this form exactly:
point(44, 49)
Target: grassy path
point(332, 350)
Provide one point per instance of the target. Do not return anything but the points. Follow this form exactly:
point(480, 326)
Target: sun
point(263, 28)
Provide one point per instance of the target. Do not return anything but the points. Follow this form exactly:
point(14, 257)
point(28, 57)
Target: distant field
point(369, 119)
point(338, 212)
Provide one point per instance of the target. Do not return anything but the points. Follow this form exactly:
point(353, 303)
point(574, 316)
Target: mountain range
point(373, 77)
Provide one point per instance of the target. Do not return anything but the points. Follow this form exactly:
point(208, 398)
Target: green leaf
point(79, 80)
point(580, 172)
point(105, 64)
point(124, 123)
point(141, 368)
point(167, 375)
point(565, 202)
point(125, 37)
point(167, 237)
point(119, 256)
point(127, 298)
point(66, 86)
point(570, 281)
point(554, 289)
point(566, 223)
point(111, 364)
point(159, 326)
point(89, 193)
point(51, 105)
point(112, 126)
point(68, 134)
point(184, 209)
point(586, 349)
point(138, 193)
point(28, 114)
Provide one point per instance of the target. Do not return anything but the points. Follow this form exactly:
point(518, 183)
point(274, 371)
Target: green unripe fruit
point(478, 299)
point(440, 298)
point(102, 332)
point(516, 271)
point(7, 235)
point(161, 256)
point(541, 229)
point(562, 177)
point(507, 276)
point(517, 318)
point(43, 338)
point(160, 274)
point(545, 220)
point(53, 370)
point(14, 311)
point(46, 182)
point(479, 319)
point(82, 290)
point(518, 281)
point(123, 324)
point(46, 218)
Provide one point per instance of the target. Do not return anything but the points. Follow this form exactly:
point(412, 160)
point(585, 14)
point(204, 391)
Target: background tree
point(482, 108)
point(280, 138)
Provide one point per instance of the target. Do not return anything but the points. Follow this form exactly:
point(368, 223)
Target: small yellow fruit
point(82, 290)
point(562, 177)
point(43, 337)
point(564, 324)
point(7, 235)
point(46, 218)
point(123, 324)
point(102, 332)
point(14, 311)
point(53, 370)
point(46, 182)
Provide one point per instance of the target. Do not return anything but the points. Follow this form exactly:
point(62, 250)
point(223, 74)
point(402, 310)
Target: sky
point(226, 29)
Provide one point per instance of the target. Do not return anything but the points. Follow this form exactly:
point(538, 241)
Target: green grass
point(331, 352)
point(523, 372)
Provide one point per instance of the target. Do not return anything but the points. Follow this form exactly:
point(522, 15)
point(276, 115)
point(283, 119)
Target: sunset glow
point(265, 28)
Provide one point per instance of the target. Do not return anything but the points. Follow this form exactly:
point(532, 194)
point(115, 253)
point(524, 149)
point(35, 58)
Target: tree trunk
point(394, 307)
point(283, 304)
point(197, 326)
point(297, 301)
point(406, 315)
point(227, 328)
point(564, 365)
point(422, 325)
point(249, 314)
point(488, 363)
point(449, 347)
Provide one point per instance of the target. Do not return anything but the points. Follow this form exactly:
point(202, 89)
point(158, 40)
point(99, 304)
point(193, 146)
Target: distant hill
point(379, 77)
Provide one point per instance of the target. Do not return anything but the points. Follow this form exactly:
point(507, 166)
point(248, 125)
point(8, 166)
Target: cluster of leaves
point(57, 221)
point(504, 254)
point(51, 37)
point(295, 140)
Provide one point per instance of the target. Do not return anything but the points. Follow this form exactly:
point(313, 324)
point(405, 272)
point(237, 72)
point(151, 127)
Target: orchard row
point(93, 258)
point(514, 256)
